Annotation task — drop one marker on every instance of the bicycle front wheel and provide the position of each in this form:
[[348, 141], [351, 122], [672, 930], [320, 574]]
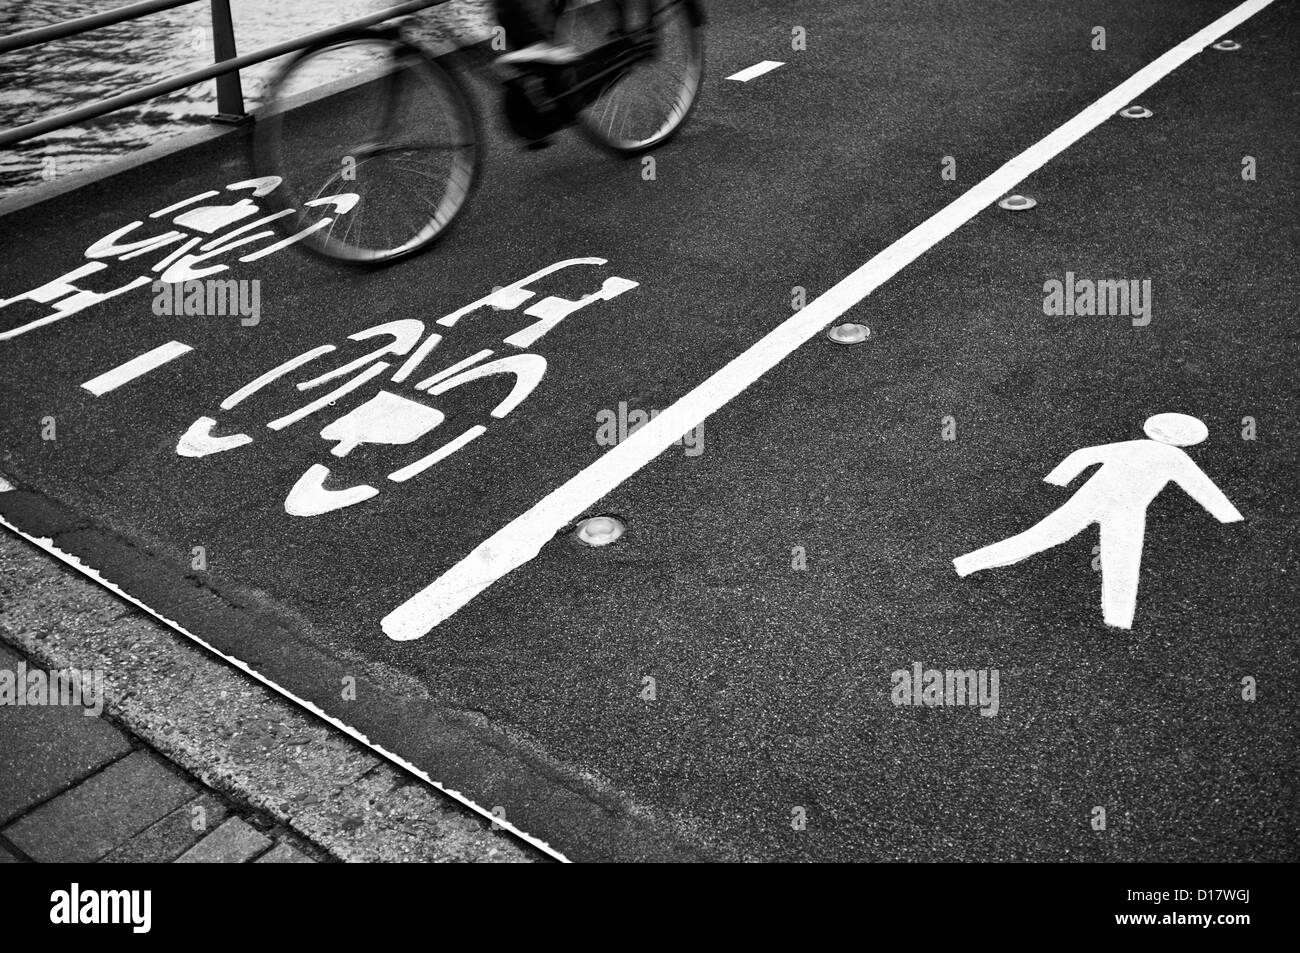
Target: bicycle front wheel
[[644, 105], [376, 144]]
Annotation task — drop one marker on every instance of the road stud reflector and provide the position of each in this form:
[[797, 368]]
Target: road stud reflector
[[849, 333], [1017, 203], [600, 530]]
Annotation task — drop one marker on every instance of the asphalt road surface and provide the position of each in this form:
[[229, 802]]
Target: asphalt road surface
[[720, 682]]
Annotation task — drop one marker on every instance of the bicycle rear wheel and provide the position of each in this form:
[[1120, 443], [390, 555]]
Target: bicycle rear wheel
[[377, 145], [643, 106]]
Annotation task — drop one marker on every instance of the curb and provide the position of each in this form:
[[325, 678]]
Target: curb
[[231, 733]]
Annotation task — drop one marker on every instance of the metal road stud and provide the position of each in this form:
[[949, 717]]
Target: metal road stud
[[1227, 46], [600, 530], [1135, 112], [849, 333], [1017, 203]]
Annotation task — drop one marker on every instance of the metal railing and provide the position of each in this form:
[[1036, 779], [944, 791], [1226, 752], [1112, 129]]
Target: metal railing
[[230, 97]]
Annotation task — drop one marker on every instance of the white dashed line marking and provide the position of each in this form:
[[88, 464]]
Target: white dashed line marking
[[136, 367], [753, 72]]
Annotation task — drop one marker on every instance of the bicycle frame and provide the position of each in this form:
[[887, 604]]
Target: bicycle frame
[[569, 87]]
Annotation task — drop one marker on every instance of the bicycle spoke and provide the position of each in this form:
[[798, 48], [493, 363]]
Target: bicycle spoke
[[644, 102], [402, 136]]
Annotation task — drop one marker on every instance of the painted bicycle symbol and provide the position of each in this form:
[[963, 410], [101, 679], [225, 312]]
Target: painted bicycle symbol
[[204, 233], [393, 418]]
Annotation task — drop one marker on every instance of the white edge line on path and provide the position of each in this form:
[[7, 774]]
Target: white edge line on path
[[136, 367], [49, 547], [521, 539], [755, 71]]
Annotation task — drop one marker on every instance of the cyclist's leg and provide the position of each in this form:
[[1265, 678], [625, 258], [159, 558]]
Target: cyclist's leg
[[530, 32]]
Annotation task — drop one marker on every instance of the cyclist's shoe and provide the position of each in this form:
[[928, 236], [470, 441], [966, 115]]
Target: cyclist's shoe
[[546, 53]]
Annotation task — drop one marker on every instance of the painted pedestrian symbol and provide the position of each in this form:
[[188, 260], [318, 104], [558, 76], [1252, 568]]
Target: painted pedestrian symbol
[[1116, 497]]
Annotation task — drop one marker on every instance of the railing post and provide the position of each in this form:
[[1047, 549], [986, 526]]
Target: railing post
[[230, 92]]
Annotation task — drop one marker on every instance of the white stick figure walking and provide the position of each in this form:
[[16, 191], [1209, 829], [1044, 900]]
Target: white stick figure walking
[[1116, 497]]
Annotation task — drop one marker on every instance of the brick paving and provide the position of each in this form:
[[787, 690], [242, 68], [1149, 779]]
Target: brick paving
[[47, 749], [234, 842], [74, 787]]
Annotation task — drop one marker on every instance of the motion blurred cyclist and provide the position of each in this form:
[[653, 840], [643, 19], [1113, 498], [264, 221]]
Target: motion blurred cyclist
[[530, 30]]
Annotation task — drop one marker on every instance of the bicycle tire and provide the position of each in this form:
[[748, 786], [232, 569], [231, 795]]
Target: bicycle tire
[[397, 130], [680, 24]]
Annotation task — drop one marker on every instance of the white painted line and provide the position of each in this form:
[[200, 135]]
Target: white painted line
[[5, 485], [253, 386], [47, 544], [520, 540], [452, 371], [442, 453], [753, 72], [281, 422], [136, 367]]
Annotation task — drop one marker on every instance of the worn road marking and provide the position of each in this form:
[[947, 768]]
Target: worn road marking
[[136, 367], [755, 71], [520, 540]]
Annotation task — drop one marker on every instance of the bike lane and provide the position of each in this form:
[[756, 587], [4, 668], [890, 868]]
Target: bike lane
[[771, 188]]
